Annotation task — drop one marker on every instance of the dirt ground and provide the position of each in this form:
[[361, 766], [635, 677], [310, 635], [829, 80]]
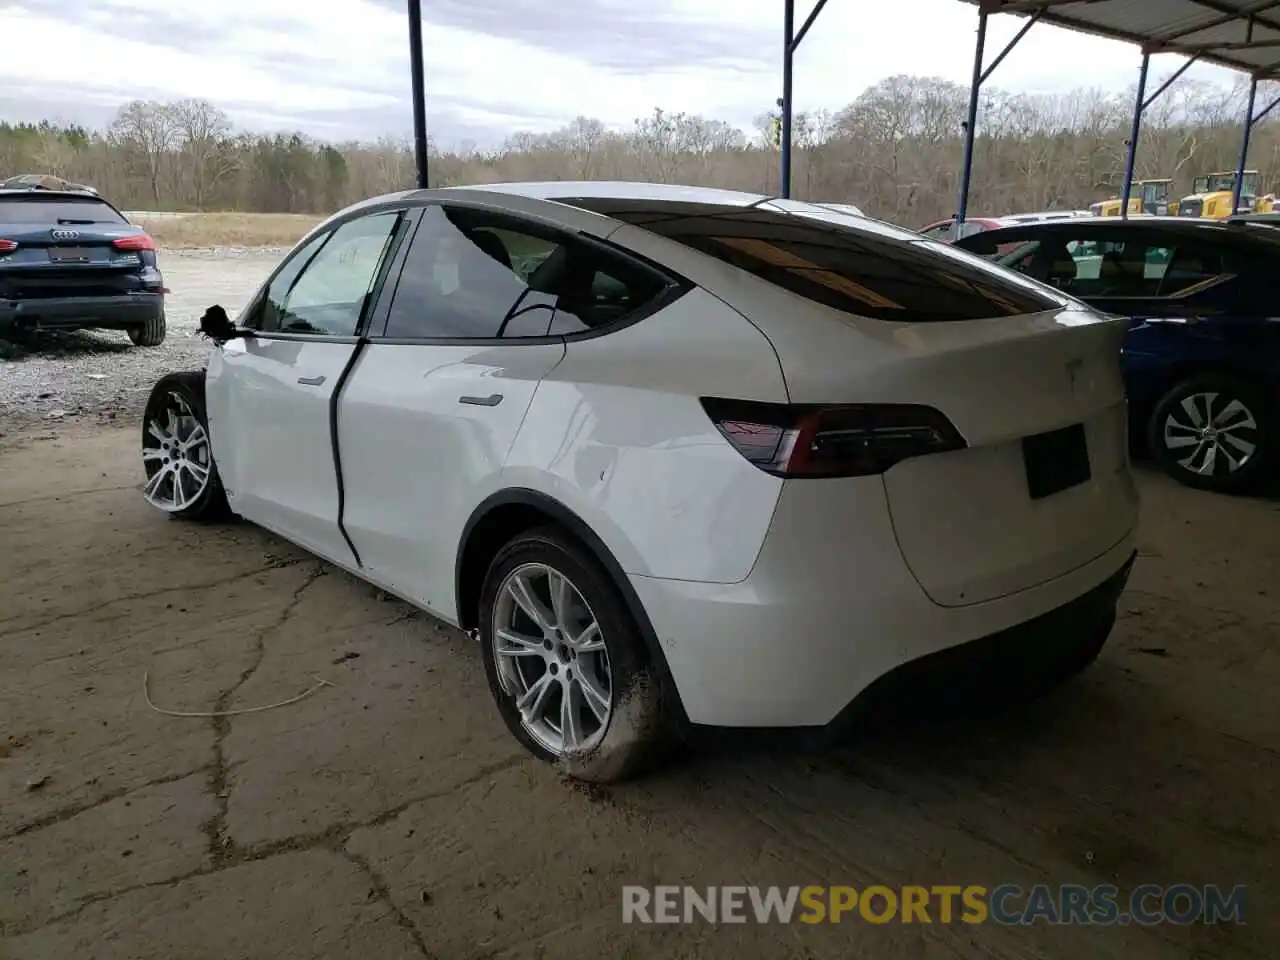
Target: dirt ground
[[389, 815]]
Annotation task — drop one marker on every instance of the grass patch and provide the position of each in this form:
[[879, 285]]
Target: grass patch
[[228, 229]]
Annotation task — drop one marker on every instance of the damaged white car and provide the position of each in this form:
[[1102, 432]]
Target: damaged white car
[[680, 458]]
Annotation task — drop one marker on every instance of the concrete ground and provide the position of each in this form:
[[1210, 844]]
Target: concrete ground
[[390, 815]]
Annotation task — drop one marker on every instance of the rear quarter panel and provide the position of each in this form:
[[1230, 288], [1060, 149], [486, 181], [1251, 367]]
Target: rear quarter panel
[[616, 433]]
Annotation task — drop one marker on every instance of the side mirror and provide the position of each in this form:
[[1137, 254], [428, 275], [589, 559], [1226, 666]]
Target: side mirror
[[217, 326]]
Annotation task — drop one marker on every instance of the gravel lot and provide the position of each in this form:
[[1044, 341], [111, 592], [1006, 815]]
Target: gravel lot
[[98, 375]]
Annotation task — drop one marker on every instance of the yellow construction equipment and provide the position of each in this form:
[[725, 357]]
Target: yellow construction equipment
[[1145, 196], [1211, 196]]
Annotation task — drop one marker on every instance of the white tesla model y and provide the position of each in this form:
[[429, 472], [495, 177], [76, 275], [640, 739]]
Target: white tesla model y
[[678, 457]]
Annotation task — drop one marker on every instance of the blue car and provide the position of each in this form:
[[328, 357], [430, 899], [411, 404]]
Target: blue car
[[69, 260], [1202, 358]]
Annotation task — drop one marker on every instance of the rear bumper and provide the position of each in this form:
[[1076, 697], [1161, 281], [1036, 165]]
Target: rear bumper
[[110, 313], [831, 607]]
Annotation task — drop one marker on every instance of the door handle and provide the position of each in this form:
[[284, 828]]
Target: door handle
[[311, 381], [490, 401]]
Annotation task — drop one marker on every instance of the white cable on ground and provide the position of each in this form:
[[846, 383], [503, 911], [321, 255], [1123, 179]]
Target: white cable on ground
[[146, 692]]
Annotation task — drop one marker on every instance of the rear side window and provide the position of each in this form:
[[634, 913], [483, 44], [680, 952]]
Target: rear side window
[[1122, 264], [870, 271], [38, 209], [479, 275]]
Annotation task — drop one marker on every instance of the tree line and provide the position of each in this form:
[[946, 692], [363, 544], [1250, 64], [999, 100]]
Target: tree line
[[895, 151]]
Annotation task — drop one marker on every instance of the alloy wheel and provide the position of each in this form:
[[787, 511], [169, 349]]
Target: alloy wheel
[[551, 658], [1211, 434], [176, 456]]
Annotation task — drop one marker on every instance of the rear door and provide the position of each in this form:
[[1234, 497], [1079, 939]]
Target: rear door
[[434, 402], [271, 394]]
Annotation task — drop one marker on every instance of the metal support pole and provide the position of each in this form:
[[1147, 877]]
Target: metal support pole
[[1238, 186], [804, 27], [1134, 129], [417, 79], [975, 88], [1008, 47], [1262, 114], [1168, 83], [788, 58]]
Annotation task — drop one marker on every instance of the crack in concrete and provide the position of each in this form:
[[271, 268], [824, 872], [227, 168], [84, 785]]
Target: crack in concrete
[[333, 838], [129, 598], [221, 845], [74, 810], [1234, 617], [69, 495], [383, 893]]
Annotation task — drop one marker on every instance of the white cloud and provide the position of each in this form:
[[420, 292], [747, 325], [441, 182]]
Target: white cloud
[[340, 67]]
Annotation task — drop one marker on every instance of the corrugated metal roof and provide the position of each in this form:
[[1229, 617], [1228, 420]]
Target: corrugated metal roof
[[1217, 30]]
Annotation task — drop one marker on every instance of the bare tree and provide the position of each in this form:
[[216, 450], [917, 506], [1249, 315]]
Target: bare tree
[[147, 129], [201, 130]]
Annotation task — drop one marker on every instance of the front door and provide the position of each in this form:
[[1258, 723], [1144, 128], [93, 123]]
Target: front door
[[434, 403], [274, 389]]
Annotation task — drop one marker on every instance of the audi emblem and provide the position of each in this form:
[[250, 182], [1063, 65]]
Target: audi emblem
[[65, 234]]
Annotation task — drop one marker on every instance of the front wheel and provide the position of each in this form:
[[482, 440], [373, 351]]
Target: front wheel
[[1215, 432], [182, 479], [565, 660]]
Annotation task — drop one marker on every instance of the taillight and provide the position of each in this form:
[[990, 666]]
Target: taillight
[[8, 246], [135, 243], [854, 440]]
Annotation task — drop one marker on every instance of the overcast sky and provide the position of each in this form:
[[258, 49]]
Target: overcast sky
[[338, 69]]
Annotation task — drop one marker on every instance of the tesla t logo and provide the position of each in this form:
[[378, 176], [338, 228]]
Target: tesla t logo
[[1073, 371], [65, 234]]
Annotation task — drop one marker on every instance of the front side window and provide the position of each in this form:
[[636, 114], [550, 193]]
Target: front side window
[[471, 274], [329, 296], [323, 287], [267, 318]]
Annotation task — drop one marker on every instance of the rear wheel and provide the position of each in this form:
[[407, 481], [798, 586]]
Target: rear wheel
[[1215, 432], [182, 479], [150, 334], [565, 661]]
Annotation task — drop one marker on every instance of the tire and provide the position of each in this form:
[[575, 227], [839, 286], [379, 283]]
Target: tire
[[1245, 418], [150, 334], [181, 477], [634, 730]]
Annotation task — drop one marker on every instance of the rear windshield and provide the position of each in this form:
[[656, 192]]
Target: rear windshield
[[861, 267], [45, 209]]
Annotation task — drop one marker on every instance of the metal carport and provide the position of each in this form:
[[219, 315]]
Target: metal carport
[[1241, 35]]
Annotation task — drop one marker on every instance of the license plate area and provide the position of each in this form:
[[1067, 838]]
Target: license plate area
[[1056, 461], [70, 254]]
